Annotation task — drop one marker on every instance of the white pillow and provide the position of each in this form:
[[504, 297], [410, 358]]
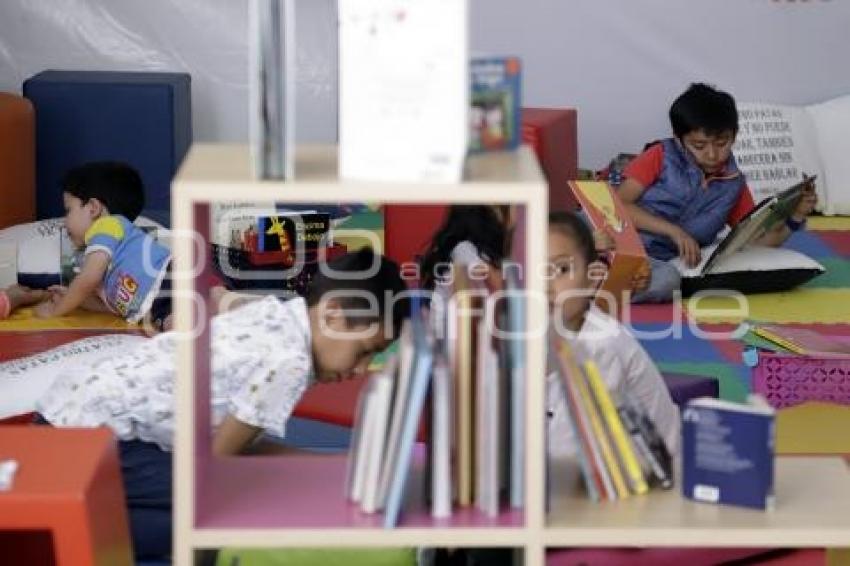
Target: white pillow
[[40, 247], [24, 381], [754, 269]]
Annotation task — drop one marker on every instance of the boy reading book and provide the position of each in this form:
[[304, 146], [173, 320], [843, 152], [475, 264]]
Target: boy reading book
[[681, 192]]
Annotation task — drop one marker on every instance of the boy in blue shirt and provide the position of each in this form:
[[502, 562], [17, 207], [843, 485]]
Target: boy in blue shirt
[[682, 191], [123, 268]]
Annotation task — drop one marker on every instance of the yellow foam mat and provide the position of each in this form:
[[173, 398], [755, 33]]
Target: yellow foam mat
[[825, 305], [813, 428], [24, 320], [828, 223]]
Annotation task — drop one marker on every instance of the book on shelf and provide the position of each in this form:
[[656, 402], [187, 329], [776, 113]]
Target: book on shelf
[[469, 463], [272, 102], [618, 450], [515, 364], [655, 459], [777, 143], [423, 358], [293, 231], [728, 452], [496, 102], [398, 80], [625, 452]]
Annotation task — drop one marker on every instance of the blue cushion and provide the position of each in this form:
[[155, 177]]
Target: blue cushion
[[143, 119]]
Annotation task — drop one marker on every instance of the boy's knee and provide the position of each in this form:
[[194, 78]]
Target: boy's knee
[[666, 280]]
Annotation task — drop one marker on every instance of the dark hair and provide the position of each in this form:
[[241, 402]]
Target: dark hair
[[477, 224], [703, 107], [569, 224], [386, 285], [116, 185]]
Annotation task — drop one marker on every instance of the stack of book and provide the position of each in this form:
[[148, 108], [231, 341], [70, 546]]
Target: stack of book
[[619, 451], [459, 388], [796, 341]]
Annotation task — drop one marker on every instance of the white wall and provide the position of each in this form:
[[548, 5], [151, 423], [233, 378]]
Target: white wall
[[208, 38], [620, 62]]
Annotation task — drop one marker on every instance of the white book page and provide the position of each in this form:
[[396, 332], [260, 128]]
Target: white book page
[[831, 122], [363, 438], [441, 485], [404, 89], [776, 144]]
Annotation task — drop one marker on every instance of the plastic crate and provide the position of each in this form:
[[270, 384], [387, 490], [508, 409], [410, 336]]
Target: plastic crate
[[786, 380]]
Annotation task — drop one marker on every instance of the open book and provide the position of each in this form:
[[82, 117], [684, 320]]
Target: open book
[[776, 143], [763, 217]]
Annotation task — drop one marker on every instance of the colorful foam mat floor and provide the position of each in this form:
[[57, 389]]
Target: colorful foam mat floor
[[701, 342]]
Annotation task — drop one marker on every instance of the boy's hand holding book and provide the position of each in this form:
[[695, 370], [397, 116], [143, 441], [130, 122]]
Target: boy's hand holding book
[[807, 203]]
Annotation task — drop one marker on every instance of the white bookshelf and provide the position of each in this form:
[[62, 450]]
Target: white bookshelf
[[214, 498]]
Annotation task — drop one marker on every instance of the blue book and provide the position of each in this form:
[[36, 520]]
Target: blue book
[[727, 452], [496, 101], [516, 366], [420, 378]]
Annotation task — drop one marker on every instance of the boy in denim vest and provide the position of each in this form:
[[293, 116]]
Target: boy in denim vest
[[682, 191]]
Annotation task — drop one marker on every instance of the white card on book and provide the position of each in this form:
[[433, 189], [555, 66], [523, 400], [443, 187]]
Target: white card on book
[[404, 90]]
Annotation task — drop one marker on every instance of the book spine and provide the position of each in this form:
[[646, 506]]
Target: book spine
[[599, 433], [584, 430], [465, 400], [594, 490], [777, 339], [653, 442], [643, 450], [615, 426]]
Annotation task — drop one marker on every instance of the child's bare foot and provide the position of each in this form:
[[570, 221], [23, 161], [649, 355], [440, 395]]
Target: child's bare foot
[[20, 296]]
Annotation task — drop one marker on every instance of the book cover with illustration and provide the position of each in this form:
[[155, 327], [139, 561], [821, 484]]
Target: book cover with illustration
[[496, 99], [606, 212], [728, 452], [290, 232]]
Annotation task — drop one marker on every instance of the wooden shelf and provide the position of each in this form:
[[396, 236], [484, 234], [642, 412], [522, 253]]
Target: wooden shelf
[[299, 500], [812, 509], [224, 502]]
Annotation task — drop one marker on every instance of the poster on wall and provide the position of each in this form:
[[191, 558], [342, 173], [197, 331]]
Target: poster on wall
[[777, 144]]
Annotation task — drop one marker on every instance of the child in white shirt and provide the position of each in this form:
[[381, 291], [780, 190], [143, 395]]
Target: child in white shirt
[[264, 355], [593, 335]]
